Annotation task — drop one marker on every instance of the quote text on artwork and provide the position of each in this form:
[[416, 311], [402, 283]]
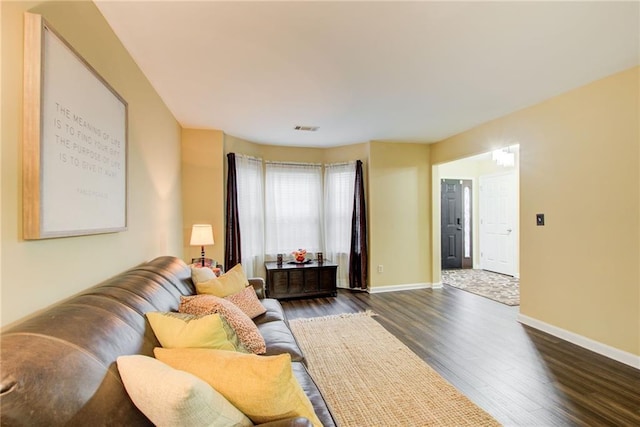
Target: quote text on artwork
[[83, 145]]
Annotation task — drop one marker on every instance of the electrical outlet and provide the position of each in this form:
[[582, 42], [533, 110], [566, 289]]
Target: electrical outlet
[[380, 268]]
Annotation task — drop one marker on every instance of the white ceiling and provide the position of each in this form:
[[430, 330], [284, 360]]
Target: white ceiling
[[361, 71]]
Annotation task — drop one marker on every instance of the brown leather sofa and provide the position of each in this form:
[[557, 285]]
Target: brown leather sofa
[[58, 367]]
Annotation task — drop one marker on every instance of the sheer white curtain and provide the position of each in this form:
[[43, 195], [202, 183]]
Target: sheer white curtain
[[293, 207], [339, 182], [250, 175]]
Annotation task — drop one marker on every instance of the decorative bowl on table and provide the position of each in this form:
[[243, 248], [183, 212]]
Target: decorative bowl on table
[[300, 255]]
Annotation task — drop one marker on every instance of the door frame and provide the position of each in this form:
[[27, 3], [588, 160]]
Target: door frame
[[436, 276], [467, 229]]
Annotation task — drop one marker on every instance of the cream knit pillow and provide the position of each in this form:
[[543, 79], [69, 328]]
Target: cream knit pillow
[[201, 274], [169, 397]]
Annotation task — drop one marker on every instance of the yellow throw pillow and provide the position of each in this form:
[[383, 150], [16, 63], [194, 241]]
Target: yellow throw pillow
[[262, 387], [231, 282], [179, 330]]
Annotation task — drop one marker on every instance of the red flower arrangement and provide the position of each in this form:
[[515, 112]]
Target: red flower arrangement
[[300, 255]]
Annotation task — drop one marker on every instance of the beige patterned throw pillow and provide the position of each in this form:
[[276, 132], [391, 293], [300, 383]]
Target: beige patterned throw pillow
[[247, 301], [244, 327]]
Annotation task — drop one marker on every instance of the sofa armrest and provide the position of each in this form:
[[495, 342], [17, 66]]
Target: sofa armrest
[[289, 422], [259, 285]]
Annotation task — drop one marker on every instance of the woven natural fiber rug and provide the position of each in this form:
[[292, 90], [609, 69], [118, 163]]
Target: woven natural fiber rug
[[498, 287], [370, 378]]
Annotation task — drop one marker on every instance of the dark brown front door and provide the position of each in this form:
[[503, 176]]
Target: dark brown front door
[[454, 220]]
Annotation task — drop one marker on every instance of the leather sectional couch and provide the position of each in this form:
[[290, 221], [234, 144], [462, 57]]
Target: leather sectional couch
[[58, 367]]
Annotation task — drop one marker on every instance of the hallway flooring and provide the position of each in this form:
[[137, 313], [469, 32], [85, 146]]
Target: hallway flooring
[[498, 287]]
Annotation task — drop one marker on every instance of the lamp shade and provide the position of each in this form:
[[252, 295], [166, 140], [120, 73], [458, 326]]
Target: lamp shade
[[201, 235]]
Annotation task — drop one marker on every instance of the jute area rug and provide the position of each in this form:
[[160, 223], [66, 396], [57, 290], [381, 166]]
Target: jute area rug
[[370, 378], [498, 287]]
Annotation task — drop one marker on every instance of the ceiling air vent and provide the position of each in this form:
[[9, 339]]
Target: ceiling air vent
[[307, 128]]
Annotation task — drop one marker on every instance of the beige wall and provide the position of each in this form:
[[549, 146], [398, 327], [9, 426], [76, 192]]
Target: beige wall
[[35, 274], [579, 164], [203, 189], [399, 214], [2, 113]]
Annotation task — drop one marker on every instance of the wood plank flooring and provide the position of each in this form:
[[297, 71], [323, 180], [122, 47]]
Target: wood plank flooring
[[521, 376]]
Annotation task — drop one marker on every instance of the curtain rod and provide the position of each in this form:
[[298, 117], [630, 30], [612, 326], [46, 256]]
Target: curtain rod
[[270, 162], [249, 157], [274, 162], [350, 162]]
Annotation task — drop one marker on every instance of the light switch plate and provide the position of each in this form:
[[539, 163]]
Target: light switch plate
[[539, 219]]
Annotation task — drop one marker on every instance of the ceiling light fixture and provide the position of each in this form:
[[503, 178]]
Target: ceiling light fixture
[[504, 157]]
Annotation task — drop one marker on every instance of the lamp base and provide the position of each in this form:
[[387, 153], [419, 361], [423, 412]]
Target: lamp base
[[203, 262]]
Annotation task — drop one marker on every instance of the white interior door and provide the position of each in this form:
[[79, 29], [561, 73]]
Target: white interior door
[[498, 223]]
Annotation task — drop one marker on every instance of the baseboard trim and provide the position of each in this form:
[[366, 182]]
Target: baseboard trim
[[582, 341], [437, 285], [393, 288]]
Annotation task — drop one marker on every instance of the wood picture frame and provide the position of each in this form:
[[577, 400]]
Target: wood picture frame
[[74, 141]]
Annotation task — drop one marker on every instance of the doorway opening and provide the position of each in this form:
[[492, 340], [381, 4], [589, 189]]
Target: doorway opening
[[478, 222]]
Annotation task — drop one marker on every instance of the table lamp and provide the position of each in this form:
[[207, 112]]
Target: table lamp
[[201, 235]]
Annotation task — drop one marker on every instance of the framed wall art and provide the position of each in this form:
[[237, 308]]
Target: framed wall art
[[74, 141]]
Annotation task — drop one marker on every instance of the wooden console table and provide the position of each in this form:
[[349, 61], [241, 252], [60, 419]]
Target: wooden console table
[[301, 280]]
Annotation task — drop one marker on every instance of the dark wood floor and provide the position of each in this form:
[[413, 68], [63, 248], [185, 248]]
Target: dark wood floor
[[521, 376]]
